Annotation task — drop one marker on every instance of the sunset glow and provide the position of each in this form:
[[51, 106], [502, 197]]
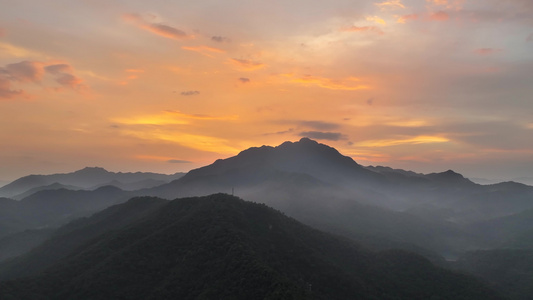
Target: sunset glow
[[168, 86]]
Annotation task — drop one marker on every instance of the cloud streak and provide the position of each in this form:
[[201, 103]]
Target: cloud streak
[[157, 28], [320, 135]]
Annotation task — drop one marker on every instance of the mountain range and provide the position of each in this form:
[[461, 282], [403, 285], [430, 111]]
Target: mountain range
[[87, 178], [219, 247], [440, 216]]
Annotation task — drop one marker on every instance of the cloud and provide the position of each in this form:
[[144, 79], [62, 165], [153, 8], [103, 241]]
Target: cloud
[[348, 84], [487, 51], [319, 135], [190, 93], [439, 16], [529, 38], [2, 32], [220, 39], [362, 29], [376, 19], [24, 71], [403, 141], [169, 117], [5, 89], [318, 125], [178, 161], [157, 28], [370, 101], [244, 80], [450, 4], [403, 19], [204, 50], [391, 4], [246, 65], [64, 76]]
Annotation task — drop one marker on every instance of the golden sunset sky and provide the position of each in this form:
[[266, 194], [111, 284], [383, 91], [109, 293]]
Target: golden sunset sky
[[168, 86]]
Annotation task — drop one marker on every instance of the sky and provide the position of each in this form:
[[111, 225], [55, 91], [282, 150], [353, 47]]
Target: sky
[[168, 86]]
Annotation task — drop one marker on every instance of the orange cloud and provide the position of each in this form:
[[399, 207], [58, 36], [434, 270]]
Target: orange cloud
[[2, 32], [376, 19], [403, 19], [412, 141], [157, 28], [24, 71], [439, 16], [450, 4], [347, 84], [168, 117], [394, 4], [246, 65], [487, 51], [204, 50], [363, 29], [6, 91], [64, 76]]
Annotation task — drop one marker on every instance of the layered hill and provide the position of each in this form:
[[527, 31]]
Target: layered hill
[[221, 247], [87, 178]]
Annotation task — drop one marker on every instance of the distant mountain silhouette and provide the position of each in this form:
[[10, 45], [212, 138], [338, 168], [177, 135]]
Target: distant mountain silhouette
[[221, 247], [85, 178], [53, 186], [51, 208]]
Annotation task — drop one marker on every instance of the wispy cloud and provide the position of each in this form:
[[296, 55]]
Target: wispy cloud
[[348, 84], [439, 16], [190, 93], [157, 28], [6, 91], [318, 125], [244, 80], [204, 50], [220, 39], [169, 117], [487, 51], [24, 71], [247, 65], [320, 135], [373, 29], [390, 4], [64, 76], [179, 161], [403, 19], [376, 19], [403, 141]]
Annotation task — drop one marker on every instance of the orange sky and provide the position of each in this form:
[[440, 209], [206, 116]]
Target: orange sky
[[167, 86]]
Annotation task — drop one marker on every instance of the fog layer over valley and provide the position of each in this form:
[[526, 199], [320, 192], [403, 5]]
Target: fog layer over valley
[[46, 228]]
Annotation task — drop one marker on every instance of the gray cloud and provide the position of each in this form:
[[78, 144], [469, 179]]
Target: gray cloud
[[24, 71], [178, 161], [168, 31], [320, 135], [220, 39], [318, 125], [190, 93], [5, 89], [244, 80], [64, 76], [279, 132]]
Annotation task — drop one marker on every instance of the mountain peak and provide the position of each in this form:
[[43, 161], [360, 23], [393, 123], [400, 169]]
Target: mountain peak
[[94, 170]]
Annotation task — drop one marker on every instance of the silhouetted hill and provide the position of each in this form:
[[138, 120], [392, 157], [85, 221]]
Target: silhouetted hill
[[51, 208], [221, 247], [509, 271], [53, 186], [22, 242], [84, 178]]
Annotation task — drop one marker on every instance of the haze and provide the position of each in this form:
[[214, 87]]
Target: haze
[[167, 86]]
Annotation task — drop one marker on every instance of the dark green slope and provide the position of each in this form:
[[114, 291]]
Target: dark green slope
[[509, 271], [221, 247]]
